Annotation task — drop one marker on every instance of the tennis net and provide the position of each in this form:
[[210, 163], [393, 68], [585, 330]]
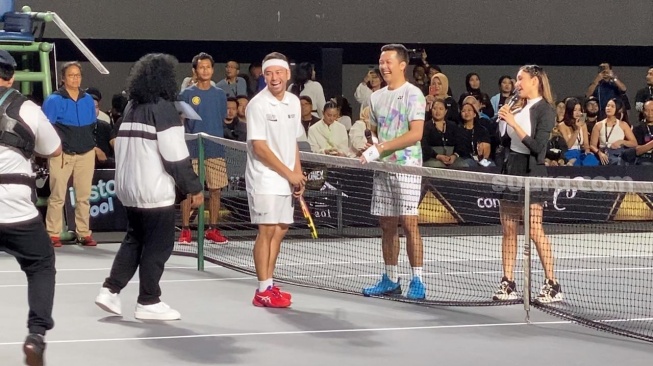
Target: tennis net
[[597, 219]]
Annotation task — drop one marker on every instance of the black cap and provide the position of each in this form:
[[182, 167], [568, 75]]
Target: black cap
[[95, 93], [7, 59]]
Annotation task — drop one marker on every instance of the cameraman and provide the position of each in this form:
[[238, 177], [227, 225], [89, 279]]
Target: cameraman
[[605, 86]]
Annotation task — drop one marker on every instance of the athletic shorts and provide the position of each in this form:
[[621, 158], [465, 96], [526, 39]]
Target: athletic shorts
[[270, 209], [215, 172], [395, 194]]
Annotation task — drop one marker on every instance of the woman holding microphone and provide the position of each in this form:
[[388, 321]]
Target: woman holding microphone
[[525, 124]]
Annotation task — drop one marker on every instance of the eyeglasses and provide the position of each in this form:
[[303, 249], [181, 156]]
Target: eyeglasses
[[74, 76]]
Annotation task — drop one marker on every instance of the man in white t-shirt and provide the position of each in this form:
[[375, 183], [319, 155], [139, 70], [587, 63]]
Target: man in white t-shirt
[[21, 226], [273, 173], [397, 115]]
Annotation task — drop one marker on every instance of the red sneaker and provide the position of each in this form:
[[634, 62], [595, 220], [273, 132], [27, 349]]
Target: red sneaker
[[87, 241], [56, 242], [270, 299], [285, 295], [215, 236], [185, 237]]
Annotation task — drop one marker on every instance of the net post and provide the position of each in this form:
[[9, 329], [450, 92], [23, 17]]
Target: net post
[[527, 249], [200, 213]]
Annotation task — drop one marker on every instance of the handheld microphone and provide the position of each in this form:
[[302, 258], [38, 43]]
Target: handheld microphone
[[368, 136], [511, 101]]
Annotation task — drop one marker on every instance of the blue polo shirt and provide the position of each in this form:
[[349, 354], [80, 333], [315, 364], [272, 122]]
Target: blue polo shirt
[[211, 105]]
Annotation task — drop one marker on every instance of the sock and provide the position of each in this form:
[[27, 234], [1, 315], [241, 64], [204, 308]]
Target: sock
[[391, 271], [417, 272], [263, 285]]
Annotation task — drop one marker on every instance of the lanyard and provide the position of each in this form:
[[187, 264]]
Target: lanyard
[[607, 136], [444, 130]]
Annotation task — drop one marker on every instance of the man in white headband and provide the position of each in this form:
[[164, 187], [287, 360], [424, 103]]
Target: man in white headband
[[273, 174]]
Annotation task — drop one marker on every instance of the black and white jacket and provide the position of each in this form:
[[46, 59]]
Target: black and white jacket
[[152, 157]]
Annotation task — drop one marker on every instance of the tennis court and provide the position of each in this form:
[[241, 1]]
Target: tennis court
[[219, 326]]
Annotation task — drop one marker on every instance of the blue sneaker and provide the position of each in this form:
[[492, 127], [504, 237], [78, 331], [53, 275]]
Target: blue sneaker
[[384, 287], [416, 289]]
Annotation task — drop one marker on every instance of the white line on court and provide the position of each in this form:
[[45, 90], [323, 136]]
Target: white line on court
[[328, 331]]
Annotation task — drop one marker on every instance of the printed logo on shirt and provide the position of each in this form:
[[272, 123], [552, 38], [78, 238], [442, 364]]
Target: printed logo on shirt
[[291, 116], [271, 117], [196, 100]]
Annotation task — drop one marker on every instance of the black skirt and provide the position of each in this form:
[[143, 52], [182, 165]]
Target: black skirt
[[518, 165]]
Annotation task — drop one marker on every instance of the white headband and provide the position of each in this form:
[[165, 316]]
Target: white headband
[[275, 62]]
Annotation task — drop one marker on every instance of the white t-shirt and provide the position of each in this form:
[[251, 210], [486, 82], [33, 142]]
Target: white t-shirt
[[16, 199], [278, 123], [523, 119]]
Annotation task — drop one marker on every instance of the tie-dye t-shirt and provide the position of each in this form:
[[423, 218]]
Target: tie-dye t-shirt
[[391, 111]]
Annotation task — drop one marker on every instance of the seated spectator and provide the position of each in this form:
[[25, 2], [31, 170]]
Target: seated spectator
[[605, 87], [305, 84], [490, 125], [474, 139], [440, 144], [574, 131], [372, 82], [592, 111], [328, 136], [232, 84], [308, 119], [344, 110], [644, 94], [255, 72], [556, 149], [118, 104], [610, 136], [233, 128], [438, 89], [357, 139], [560, 111], [506, 86], [642, 154], [473, 86]]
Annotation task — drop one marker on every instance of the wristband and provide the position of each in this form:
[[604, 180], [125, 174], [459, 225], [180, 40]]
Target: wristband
[[371, 154]]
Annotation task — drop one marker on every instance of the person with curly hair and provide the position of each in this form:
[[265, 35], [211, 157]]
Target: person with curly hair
[[151, 159]]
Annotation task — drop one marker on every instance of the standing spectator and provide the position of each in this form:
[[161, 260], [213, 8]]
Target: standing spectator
[[644, 93], [605, 87], [21, 226], [191, 80], [506, 86], [210, 103], [305, 84], [372, 82], [102, 132], [72, 111], [97, 96], [152, 160], [233, 85]]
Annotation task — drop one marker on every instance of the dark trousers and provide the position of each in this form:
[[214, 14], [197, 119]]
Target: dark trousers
[[30, 244], [148, 244]]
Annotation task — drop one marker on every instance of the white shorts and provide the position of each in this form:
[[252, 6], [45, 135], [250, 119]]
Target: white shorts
[[270, 209], [396, 194]]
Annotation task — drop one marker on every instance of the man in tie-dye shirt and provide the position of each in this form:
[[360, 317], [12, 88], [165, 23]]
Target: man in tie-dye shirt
[[397, 114]]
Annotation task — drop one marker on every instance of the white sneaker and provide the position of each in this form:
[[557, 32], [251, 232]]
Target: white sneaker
[[108, 301], [158, 311]]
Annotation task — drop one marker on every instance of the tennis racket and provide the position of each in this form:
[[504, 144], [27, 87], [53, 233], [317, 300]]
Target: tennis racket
[[307, 216]]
